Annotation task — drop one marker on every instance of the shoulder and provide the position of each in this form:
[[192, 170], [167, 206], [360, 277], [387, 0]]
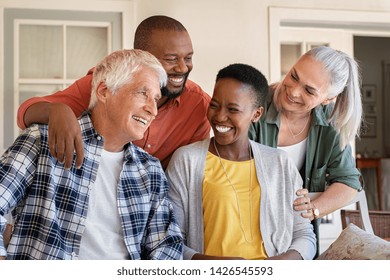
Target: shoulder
[[192, 150], [271, 157], [142, 157], [194, 93], [35, 132], [268, 151], [28, 144], [189, 155]]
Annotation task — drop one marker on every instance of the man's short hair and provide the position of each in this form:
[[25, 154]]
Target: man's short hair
[[147, 26]]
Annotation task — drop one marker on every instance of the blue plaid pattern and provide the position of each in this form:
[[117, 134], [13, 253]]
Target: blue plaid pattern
[[50, 203]]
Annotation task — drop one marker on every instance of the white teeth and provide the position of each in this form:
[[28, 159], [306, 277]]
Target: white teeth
[[222, 129], [176, 80], [141, 120], [288, 97]]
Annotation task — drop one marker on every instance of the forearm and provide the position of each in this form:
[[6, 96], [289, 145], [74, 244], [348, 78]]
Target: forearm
[[37, 113], [76, 96], [334, 197]]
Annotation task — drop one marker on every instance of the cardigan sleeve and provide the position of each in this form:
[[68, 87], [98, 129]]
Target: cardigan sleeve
[[178, 195], [303, 238]]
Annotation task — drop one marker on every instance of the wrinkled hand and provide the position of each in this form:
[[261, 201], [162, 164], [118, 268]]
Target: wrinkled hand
[[65, 135], [303, 203]]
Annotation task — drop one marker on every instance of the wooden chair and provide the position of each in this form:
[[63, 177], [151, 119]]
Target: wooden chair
[[380, 221], [361, 201]]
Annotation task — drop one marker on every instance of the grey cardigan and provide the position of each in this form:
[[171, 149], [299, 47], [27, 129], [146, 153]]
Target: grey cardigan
[[281, 227]]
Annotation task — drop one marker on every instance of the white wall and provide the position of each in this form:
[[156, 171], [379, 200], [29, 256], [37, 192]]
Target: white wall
[[228, 31], [222, 31]]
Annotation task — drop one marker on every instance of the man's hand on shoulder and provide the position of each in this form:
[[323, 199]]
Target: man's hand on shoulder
[[65, 135]]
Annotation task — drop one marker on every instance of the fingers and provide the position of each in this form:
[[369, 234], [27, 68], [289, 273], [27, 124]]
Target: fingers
[[302, 192], [303, 203], [65, 136], [63, 150], [79, 147], [52, 144], [68, 151], [308, 214]]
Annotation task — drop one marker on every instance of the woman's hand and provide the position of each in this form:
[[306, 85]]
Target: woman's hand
[[303, 203], [65, 135]]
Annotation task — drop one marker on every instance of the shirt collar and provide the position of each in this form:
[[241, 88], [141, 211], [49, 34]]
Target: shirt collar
[[174, 102], [88, 132], [87, 129]]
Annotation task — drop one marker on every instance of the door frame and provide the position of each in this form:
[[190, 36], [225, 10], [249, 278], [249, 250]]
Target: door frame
[[357, 23]]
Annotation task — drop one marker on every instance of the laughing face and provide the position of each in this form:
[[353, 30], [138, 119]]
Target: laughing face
[[231, 111], [304, 87], [174, 50], [132, 108]]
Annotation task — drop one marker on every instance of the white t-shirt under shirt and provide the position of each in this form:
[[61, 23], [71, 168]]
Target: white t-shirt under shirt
[[296, 152], [103, 235]]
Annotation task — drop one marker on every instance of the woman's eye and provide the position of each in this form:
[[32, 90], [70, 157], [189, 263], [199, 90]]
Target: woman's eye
[[295, 78], [309, 91]]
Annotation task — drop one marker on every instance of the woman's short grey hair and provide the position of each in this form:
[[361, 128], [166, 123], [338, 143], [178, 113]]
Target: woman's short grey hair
[[345, 83], [117, 69]]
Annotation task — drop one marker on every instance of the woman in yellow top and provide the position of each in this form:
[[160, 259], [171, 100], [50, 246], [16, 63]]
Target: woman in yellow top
[[233, 198]]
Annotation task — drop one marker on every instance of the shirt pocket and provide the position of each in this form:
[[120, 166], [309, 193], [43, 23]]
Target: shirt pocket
[[318, 181]]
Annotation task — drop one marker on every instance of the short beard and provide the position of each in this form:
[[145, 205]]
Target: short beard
[[172, 95]]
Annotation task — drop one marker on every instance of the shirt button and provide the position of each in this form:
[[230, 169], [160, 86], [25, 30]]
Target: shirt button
[[99, 138], [148, 146], [74, 254], [82, 220]]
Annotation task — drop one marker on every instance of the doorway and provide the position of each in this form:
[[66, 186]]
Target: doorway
[[373, 55]]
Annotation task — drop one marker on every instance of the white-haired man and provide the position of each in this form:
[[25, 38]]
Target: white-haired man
[[115, 205]]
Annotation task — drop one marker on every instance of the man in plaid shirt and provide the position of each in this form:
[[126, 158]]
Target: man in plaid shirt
[[115, 205]]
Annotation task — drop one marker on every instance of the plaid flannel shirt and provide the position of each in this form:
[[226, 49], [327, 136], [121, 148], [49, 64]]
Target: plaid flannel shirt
[[50, 203]]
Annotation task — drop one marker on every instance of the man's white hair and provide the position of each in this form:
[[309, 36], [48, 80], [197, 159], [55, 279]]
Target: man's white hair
[[118, 68]]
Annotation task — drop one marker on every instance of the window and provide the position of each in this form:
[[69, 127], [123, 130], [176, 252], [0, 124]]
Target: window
[[45, 51]]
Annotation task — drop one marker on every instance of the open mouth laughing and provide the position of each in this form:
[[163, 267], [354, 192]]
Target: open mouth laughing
[[176, 80], [141, 120], [223, 129]]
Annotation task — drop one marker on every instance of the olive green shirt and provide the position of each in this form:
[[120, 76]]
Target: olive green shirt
[[325, 162]]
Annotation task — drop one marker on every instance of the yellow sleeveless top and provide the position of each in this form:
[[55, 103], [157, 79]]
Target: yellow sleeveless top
[[223, 234]]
